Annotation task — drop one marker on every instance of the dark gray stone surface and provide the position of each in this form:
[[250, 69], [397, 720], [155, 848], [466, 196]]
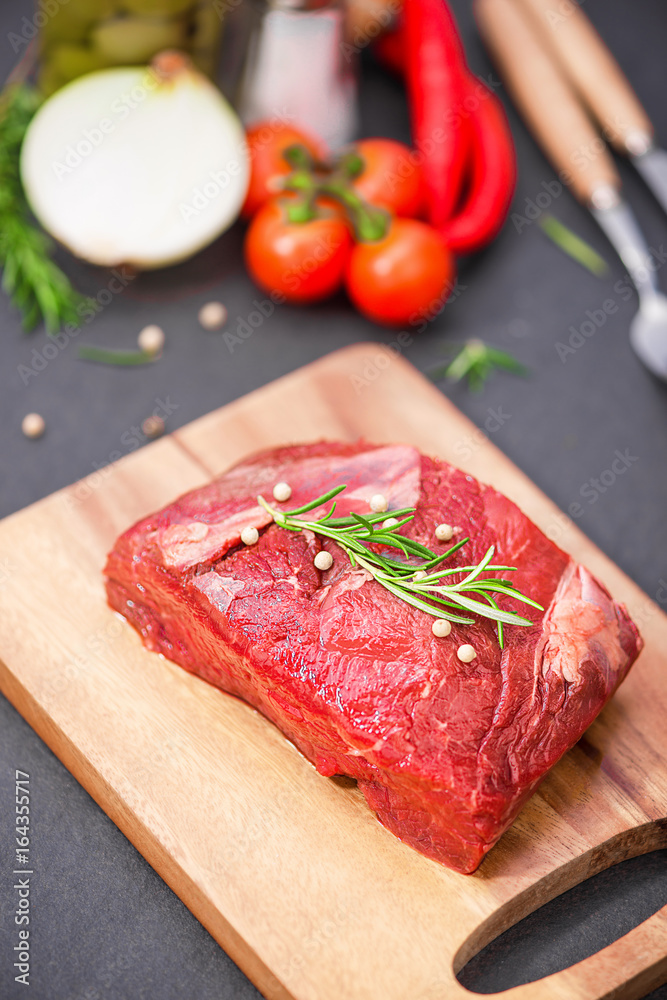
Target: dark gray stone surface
[[105, 927]]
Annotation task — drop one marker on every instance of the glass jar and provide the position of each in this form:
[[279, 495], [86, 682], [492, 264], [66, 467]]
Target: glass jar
[[85, 35], [288, 59]]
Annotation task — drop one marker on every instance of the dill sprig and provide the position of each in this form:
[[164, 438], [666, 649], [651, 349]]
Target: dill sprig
[[416, 578], [35, 284]]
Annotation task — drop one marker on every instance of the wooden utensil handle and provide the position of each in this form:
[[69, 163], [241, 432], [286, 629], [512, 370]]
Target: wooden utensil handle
[[547, 101], [594, 72]]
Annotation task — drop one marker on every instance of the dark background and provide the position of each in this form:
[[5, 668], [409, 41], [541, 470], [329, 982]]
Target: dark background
[[105, 925]]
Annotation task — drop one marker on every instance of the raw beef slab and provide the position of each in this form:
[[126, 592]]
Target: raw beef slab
[[445, 752]]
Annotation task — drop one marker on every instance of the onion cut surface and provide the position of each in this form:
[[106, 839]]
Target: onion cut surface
[[139, 165]]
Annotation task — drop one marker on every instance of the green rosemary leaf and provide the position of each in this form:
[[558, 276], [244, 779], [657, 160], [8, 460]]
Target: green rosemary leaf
[[349, 522], [508, 592], [446, 555], [423, 606], [475, 361], [359, 537], [574, 246], [417, 549], [481, 609], [500, 627], [474, 573], [327, 517], [365, 523], [506, 361], [396, 543], [309, 506], [401, 521], [103, 356]]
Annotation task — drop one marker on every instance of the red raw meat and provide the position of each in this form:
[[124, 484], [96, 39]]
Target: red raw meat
[[445, 752]]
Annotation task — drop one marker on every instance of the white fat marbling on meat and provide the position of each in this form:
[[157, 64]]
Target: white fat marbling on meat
[[186, 545], [350, 579], [581, 617], [220, 590]]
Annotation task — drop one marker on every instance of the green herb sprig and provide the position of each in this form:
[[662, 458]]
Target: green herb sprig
[[475, 361], [574, 246], [109, 356], [35, 284], [415, 578]]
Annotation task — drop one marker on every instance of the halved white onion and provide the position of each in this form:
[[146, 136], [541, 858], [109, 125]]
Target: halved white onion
[[139, 165]]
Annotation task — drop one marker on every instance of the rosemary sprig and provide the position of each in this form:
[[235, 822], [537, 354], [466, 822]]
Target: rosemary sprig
[[417, 577], [475, 361], [574, 246], [109, 356], [35, 284]]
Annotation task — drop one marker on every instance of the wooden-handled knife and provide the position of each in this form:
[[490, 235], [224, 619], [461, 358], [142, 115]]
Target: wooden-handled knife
[[548, 101], [587, 63], [556, 112]]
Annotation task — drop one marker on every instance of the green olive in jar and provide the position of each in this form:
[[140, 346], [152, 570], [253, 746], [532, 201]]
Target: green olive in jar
[[73, 20], [130, 40], [160, 7], [70, 61], [205, 38], [49, 80]]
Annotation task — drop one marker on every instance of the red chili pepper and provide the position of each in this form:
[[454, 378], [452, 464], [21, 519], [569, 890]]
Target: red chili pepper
[[389, 49], [437, 86], [493, 175]]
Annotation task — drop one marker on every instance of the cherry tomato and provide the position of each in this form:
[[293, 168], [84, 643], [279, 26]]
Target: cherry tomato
[[304, 261], [391, 178], [402, 278], [266, 144]]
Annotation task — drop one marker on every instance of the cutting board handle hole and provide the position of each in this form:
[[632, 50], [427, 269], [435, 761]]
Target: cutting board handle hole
[[571, 927]]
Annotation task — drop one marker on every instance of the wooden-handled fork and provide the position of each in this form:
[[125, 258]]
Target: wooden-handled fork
[[542, 71]]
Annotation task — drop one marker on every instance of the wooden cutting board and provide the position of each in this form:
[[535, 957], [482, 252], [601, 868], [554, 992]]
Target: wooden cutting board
[[288, 870]]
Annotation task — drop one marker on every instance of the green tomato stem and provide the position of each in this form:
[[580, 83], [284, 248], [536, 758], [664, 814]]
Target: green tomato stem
[[370, 224]]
